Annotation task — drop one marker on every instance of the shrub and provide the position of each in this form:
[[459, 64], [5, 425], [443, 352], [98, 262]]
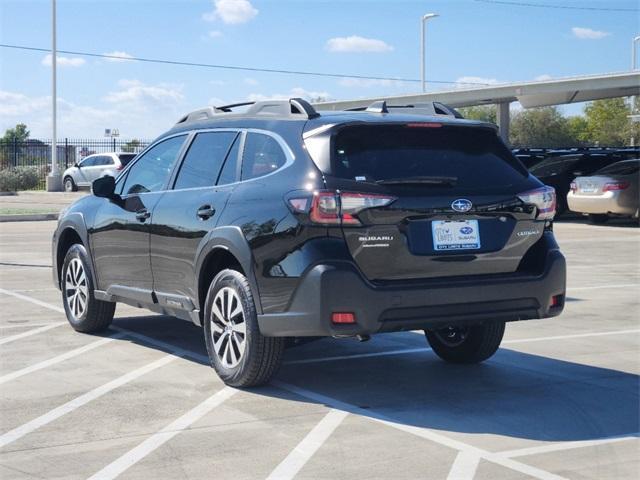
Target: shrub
[[18, 178]]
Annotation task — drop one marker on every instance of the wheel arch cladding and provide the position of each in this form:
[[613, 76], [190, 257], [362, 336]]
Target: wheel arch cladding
[[70, 234], [224, 247]]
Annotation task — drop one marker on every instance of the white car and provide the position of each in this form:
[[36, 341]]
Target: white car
[[83, 173]]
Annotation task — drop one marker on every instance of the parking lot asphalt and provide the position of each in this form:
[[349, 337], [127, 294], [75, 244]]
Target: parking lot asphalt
[[559, 400]]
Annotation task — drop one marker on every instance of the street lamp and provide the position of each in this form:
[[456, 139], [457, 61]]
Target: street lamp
[[634, 55], [54, 183], [423, 20]]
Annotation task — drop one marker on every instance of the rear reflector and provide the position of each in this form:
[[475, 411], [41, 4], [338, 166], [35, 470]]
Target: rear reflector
[[342, 318], [556, 301]]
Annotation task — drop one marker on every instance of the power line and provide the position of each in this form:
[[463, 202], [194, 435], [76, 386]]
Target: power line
[[231, 67], [565, 7]]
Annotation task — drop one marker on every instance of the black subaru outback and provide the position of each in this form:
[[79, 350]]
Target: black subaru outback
[[282, 222]]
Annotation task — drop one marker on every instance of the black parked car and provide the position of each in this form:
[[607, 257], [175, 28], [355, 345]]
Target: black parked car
[[284, 222], [560, 168]]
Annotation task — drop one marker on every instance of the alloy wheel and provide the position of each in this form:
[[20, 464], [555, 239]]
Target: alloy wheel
[[75, 288], [228, 327]]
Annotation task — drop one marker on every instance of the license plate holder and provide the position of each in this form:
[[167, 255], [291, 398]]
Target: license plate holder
[[455, 235]]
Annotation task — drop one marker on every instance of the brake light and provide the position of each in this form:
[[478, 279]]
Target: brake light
[[544, 199], [335, 208], [573, 186], [120, 167], [612, 186]]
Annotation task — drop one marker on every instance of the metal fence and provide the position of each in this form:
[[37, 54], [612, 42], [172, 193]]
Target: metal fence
[[37, 152]]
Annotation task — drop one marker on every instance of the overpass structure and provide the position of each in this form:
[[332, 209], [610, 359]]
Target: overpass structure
[[539, 93]]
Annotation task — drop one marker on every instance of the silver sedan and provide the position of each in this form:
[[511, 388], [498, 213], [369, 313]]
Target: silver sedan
[[611, 191]]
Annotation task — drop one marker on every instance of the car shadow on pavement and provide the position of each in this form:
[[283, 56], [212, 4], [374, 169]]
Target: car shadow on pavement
[[513, 394]]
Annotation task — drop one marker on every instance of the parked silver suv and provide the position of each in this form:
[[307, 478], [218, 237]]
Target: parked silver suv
[[83, 173]]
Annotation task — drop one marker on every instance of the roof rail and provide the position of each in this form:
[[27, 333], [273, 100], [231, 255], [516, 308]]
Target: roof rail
[[427, 108], [291, 108]]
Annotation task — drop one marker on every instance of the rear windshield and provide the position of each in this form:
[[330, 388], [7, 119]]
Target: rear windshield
[[474, 157], [126, 157], [627, 167]]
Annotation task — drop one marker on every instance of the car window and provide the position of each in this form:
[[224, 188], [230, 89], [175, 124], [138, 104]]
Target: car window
[[104, 160], [229, 173], [262, 155], [89, 161], [152, 170], [626, 167], [125, 158], [473, 157], [203, 160], [554, 165]]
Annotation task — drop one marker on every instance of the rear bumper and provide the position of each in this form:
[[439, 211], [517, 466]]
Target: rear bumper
[[609, 202], [339, 287]]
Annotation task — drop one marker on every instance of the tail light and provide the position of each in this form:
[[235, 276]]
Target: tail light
[[544, 199], [120, 167], [573, 186], [335, 208], [613, 186]]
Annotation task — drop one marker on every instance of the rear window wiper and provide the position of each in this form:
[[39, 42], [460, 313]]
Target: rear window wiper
[[419, 181]]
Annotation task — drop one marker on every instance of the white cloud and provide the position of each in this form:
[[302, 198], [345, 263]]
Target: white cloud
[[588, 34], [295, 92], [543, 77], [354, 43], [250, 81], [118, 56], [471, 81], [136, 109], [214, 34], [63, 61], [232, 12], [367, 82], [136, 91]]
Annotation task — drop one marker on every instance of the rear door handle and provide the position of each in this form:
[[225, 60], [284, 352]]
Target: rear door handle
[[143, 214], [206, 211]]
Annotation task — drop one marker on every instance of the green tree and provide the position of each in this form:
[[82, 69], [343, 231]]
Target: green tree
[[541, 127], [577, 129], [483, 113], [18, 134], [131, 146], [608, 123]]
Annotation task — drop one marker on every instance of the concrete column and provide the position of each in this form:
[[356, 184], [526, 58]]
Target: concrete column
[[503, 118]]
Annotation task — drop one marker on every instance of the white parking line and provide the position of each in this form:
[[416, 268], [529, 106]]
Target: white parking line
[[156, 440], [15, 326], [18, 336], [598, 287], [558, 447], [309, 445], [32, 300], [420, 432], [464, 466], [60, 358], [406, 351], [77, 402]]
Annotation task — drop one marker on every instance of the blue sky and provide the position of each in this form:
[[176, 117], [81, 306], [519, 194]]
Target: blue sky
[[471, 41]]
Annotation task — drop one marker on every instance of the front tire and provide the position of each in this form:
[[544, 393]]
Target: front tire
[[472, 344], [70, 185], [84, 312], [238, 352]]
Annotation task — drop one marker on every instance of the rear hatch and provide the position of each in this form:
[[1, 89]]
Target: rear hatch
[[424, 200]]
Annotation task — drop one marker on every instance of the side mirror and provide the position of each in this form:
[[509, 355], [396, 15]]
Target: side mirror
[[104, 187], [77, 165]]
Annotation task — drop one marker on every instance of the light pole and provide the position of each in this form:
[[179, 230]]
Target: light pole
[[53, 179], [634, 55], [423, 21]]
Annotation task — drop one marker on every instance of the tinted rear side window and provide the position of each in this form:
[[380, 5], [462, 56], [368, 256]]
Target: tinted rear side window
[[474, 156], [126, 158], [204, 159]]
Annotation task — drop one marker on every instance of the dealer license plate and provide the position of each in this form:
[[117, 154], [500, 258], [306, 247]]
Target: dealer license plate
[[455, 235]]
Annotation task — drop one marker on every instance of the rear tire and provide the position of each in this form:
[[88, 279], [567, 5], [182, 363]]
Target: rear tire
[[472, 344], [598, 218], [70, 185], [84, 312], [238, 352]]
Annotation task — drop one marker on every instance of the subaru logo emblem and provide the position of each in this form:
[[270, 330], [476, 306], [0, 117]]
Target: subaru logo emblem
[[461, 205]]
